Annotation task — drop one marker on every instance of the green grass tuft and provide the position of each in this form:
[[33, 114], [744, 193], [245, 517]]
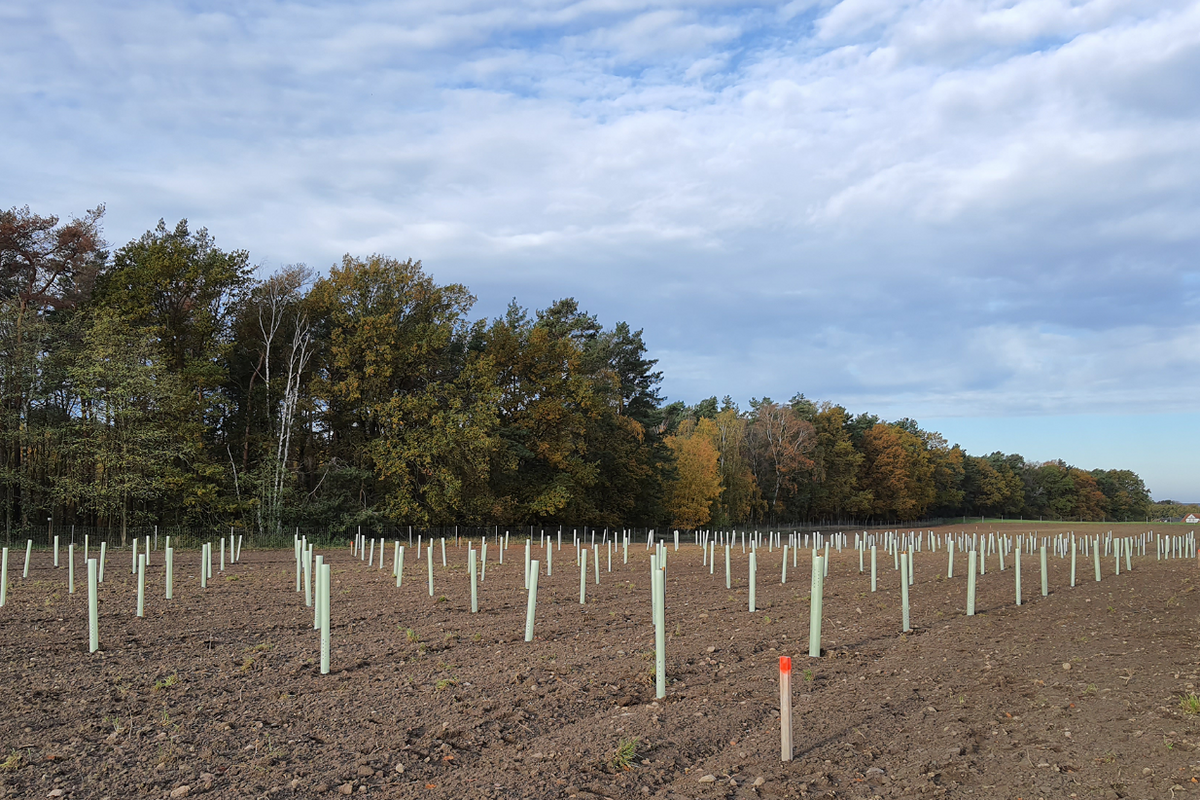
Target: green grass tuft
[[626, 752], [166, 683]]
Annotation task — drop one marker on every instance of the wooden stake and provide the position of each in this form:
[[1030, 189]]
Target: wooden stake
[[785, 708]]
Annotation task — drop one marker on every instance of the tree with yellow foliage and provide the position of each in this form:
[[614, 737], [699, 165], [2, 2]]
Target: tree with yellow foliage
[[690, 494]]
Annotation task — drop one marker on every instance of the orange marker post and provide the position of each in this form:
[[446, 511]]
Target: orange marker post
[[785, 707]]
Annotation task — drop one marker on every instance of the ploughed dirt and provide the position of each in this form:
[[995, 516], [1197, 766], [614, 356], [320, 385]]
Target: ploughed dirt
[[217, 693]]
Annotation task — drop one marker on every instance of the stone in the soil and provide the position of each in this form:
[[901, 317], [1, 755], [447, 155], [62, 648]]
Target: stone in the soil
[[346, 788], [709, 779], [365, 771], [181, 791]]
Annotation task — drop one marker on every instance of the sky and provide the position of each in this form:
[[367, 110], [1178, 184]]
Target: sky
[[983, 215]]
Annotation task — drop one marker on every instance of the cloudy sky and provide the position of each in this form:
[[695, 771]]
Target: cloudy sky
[[982, 214]]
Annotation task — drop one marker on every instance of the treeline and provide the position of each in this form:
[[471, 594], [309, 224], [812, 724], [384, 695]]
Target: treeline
[[162, 383], [1173, 510], [808, 461]]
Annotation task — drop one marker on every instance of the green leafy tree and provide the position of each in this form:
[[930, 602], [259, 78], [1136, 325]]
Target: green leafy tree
[[628, 487], [949, 473], [1047, 490], [541, 465], [1012, 468], [47, 268], [858, 426], [125, 440], [183, 289], [625, 437], [705, 409], [408, 409], [1125, 495], [991, 487], [832, 489], [741, 499], [269, 393]]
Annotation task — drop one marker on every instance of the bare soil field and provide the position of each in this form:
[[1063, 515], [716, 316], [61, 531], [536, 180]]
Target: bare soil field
[[217, 693]]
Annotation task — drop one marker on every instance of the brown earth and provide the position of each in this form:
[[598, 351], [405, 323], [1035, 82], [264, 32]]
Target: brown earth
[[1077, 694]]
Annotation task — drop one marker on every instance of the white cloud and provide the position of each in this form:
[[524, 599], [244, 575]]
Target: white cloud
[[938, 204], [851, 18]]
